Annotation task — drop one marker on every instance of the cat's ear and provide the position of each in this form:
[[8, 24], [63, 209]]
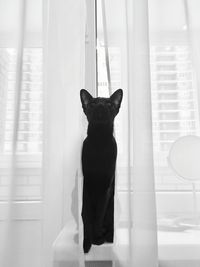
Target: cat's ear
[[116, 98], [85, 98]]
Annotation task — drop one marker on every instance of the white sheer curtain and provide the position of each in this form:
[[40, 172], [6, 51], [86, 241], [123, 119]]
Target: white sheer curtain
[[42, 69], [64, 77], [42, 72], [124, 30], [135, 236], [20, 146], [63, 47], [174, 41], [143, 239], [154, 56]]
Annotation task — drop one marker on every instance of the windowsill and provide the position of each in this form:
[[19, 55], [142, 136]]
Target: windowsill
[[179, 246], [184, 246]]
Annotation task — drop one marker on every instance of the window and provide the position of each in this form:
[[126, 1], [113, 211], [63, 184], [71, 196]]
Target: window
[[30, 121], [174, 99], [175, 109], [30, 127], [29, 140]]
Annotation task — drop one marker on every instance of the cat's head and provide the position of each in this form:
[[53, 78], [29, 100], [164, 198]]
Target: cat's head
[[101, 109]]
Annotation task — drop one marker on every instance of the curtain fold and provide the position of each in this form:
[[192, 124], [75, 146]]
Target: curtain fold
[[40, 118], [126, 35], [143, 239], [8, 228], [64, 77], [174, 31]]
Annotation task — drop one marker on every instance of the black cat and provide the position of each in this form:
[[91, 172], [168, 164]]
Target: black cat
[[99, 154]]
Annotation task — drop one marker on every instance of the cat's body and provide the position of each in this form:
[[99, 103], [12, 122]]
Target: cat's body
[[99, 154]]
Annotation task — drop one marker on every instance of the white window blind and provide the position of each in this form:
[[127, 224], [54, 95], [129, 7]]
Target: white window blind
[[30, 128], [30, 121]]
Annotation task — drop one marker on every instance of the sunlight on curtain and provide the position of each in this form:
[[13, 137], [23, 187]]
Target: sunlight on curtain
[[175, 97], [41, 74], [153, 52], [163, 60], [64, 77], [128, 51], [20, 132]]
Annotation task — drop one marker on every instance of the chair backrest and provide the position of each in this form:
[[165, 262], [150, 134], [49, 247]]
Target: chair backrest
[[184, 157]]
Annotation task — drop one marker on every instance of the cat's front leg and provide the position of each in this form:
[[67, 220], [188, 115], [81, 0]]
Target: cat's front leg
[[87, 221], [109, 216]]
